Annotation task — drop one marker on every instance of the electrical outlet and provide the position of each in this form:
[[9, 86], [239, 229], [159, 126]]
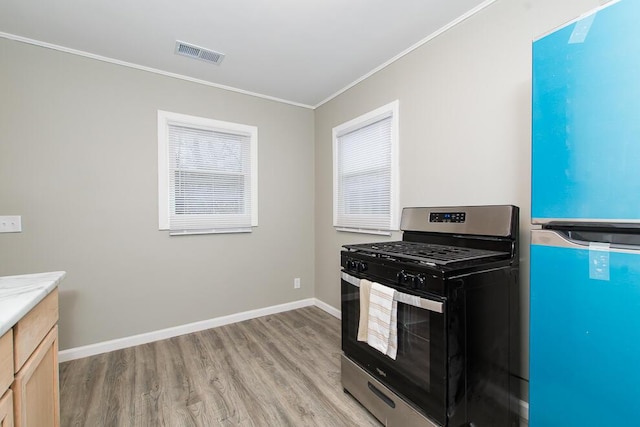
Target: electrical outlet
[[296, 283], [10, 224]]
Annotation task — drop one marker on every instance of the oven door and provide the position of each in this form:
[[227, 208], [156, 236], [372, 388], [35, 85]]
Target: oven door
[[418, 374]]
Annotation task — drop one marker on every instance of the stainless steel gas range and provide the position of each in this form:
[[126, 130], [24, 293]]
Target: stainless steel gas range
[[455, 276]]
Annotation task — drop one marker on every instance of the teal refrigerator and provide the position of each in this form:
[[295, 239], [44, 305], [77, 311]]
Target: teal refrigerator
[[585, 207]]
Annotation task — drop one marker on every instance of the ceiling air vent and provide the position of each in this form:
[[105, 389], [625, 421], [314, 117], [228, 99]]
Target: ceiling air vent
[[197, 52]]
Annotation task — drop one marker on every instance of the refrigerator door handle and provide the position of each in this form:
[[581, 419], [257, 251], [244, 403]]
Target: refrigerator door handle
[[553, 238], [558, 239]]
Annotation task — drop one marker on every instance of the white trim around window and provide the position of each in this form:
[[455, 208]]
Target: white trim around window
[[207, 175], [366, 172]]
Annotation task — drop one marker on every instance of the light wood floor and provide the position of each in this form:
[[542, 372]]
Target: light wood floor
[[278, 370]]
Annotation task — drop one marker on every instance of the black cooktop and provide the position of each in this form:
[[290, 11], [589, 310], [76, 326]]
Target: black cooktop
[[426, 252]]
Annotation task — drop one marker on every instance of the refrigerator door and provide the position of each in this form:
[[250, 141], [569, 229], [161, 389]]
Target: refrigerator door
[[585, 333], [586, 118]]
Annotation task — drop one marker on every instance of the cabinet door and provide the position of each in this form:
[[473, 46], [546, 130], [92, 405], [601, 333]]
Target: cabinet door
[[6, 362], [6, 410], [35, 388]]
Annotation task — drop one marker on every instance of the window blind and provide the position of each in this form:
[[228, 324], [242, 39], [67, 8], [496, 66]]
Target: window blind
[[364, 176], [209, 180]]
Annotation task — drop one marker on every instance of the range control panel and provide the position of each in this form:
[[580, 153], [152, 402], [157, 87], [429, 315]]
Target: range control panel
[[457, 217]]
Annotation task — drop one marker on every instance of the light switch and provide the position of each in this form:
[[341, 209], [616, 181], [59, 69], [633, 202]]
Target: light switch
[[10, 224]]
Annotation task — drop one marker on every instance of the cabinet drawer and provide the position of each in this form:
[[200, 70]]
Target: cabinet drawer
[[33, 327], [6, 361], [6, 409]]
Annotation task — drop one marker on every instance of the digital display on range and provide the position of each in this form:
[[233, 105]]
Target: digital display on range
[[457, 217]]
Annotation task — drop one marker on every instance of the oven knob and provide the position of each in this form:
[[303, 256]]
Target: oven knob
[[419, 281], [362, 266], [351, 265], [411, 281], [402, 277]]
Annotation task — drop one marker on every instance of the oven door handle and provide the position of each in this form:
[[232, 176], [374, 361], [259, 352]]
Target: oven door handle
[[414, 300]]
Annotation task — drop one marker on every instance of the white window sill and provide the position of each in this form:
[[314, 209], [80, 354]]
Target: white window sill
[[364, 231], [212, 231]]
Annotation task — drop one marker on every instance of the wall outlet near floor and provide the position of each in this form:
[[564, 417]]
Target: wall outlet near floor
[[296, 283], [10, 224]]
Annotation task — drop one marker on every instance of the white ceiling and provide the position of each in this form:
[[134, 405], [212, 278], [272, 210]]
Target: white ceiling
[[299, 51]]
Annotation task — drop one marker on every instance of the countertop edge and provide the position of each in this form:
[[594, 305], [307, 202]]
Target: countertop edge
[[25, 302]]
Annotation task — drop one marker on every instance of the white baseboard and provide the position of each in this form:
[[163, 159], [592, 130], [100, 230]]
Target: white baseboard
[[120, 343], [328, 308]]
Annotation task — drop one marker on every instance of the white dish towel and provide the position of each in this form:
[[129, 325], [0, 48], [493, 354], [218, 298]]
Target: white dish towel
[[363, 324], [383, 320]]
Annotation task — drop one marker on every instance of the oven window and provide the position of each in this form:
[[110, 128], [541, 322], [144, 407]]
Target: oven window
[[418, 372], [413, 342]]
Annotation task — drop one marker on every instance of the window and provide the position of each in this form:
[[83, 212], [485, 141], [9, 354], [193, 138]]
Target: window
[[365, 172], [207, 175]]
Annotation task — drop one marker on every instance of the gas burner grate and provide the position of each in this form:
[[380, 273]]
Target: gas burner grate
[[427, 252]]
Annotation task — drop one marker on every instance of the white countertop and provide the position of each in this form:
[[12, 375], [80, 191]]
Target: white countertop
[[19, 294]]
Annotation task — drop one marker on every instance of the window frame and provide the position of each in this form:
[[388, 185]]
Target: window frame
[[390, 110], [166, 118]]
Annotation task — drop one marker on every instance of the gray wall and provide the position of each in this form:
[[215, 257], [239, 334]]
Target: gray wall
[[78, 161], [465, 125]]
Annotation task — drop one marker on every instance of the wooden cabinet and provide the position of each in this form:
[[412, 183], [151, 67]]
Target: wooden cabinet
[[29, 332], [35, 387], [29, 365], [6, 410], [6, 378], [6, 361]]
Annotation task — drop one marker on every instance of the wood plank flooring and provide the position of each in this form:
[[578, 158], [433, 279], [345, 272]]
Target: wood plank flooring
[[278, 370]]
